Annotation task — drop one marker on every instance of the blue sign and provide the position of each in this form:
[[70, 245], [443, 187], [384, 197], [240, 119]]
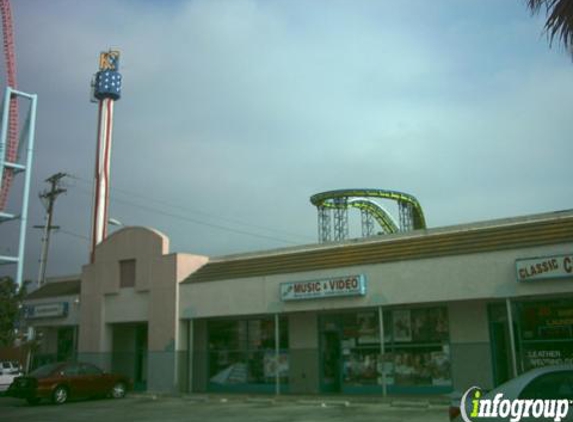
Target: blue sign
[[46, 310]]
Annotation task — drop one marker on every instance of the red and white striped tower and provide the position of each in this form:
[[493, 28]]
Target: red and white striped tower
[[106, 89]]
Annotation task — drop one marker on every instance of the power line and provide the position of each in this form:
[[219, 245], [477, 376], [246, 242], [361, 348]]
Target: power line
[[192, 220], [69, 233], [209, 215], [203, 223]]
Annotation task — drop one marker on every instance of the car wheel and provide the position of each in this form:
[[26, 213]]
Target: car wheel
[[33, 400], [60, 395], [118, 391]]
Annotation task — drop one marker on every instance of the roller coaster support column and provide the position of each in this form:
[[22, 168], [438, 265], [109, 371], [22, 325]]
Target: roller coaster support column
[[367, 223], [21, 164], [406, 216], [324, 225], [340, 219]]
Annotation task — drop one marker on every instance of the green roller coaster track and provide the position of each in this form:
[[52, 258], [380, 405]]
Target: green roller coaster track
[[384, 219], [343, 199]]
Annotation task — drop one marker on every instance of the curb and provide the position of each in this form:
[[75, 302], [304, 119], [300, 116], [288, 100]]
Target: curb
[[260, 400], [142, 396], [410, 404], [325, 403], [196, 399], [336, 403], [439, 406]]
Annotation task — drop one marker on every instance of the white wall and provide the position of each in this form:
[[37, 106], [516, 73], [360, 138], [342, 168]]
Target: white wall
[[126, 306], [470, 346], [468, 322], [452, 278]]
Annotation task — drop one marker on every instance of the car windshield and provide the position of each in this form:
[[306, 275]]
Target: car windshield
[[43, 371]]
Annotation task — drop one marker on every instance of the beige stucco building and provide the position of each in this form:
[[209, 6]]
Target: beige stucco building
[[428, 311]]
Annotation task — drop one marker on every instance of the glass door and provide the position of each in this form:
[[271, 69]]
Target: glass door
[[500, 343], [331, 362]]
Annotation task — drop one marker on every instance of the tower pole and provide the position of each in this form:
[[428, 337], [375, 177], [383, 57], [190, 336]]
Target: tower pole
[[107, 89]]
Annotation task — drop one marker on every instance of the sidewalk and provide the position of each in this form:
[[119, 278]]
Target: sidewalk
[[414, 402]]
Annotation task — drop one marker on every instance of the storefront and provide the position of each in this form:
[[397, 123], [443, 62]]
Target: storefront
[[405, 314], [52, 313], [242, 354], [425, 312], [414, 357], [545, 332]]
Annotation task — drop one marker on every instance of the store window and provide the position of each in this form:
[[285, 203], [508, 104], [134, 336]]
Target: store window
[[545, 333], [360, 348], [243, 351], [417, 347]]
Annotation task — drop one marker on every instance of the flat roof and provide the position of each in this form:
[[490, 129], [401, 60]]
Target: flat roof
[[61, 286], [500, 234]]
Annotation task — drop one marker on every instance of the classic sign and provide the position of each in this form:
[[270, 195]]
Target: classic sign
[[354, 285], [544, 267]]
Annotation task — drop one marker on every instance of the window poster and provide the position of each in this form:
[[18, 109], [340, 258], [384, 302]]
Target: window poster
[[270, 364], [360, 367], [546, 321], [422, 367], [368, 332], [386, 369], [233, 374], [429, 325], [541, 354], [402, 325], [440, 368]]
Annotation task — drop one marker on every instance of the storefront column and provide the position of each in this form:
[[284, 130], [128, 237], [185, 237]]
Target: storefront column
[[382, 348], [75, 342], [277, 354], [511, 335], [190, 348]]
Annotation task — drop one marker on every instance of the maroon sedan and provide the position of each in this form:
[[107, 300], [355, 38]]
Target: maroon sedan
[[59, 382]]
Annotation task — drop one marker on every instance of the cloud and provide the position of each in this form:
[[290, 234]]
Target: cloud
[[238, 111]]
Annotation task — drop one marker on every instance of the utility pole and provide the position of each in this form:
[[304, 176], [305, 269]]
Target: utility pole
[[48, 198]]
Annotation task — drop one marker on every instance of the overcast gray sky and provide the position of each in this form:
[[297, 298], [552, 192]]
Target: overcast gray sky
[[235, 112]]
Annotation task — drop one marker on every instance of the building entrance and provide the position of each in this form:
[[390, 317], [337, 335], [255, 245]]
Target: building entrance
[[66, 344], [543, 335], [331, 367], [500, 343], [129, 354]]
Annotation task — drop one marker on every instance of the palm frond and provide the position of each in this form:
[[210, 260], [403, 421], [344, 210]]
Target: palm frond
[[559, 24]]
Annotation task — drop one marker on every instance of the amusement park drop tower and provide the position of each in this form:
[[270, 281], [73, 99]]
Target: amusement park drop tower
[[106, 90]]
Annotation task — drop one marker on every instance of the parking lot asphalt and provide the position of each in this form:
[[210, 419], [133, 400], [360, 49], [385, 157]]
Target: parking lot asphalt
[[144, 408]]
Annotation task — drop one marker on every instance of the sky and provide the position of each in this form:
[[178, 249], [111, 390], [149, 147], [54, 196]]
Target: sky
[[233, 113]]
